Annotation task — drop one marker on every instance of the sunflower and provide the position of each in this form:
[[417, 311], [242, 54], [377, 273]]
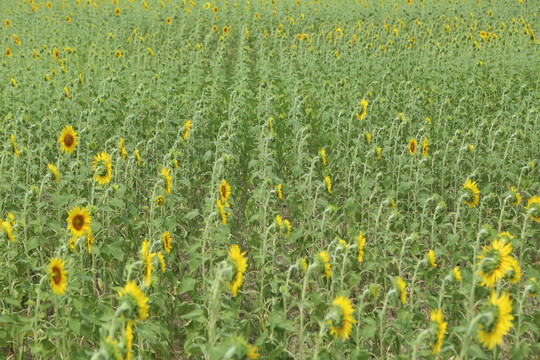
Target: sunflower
[[187, 126], [8, 230], [168, 21], [129, 340], [402, 285], [222, 211], [79, 221], [328, 184], [362, 115], [340, 317], [160, 200], [117, 11], [253, 352], [456, 273], [516, 196], [239, 263], [167, 240], [279, 190], [439, 325], [432, 259], [123, 150], [495, 261], [89, 241], [206, 6], [286, 228], [361, 244], [103, 167], [379, 152], [322, 154], [68, 139], [138, 156], [168, 179], [58, 276], [8, 52], [533, 208], [425, 147], [497, 320], [8, 23], [214, 28], [368, 138], [147, 259], [118, 54], [225, 29], [514, 274], [136, 303], [324, 261], [472, 190], [161, 261], [412, 146]]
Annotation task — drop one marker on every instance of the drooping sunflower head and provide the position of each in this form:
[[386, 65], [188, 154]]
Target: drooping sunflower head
[[340, 317], [412, 146], [401, 287], [361, 244], [68, 140], [161, 261], [328, 184], [167, 240], [239, 263], [8, 230], [514, 274], [425, 147], [533, 208], [456, 274], [439, 328], [431, 258], [279, 190], [516, 196], [55, 172], [58, 276], [495, 261], [323, 261], [102, 167], [134, 302], [166, 173], [471, 189], [497, 320], [79, 220], [224, 190], [147, 260], [363, 111]]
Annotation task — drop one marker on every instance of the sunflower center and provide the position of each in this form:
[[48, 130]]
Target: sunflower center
[[223, 190], [56, 275], [489, 321], [412, 147], [78, 222], [68, 140]]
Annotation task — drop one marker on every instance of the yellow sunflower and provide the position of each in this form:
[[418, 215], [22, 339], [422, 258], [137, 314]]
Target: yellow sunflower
[[495, 261], [134, 301], [160, 200], [472, 190], [340, 317], [8, 52], [322, 154], [533, 208], [239, 263], [55, 172], [456, 273], [58, 276], [168, 21], [516, 195], [440, 325], [68, 140], [328, 184], [79, 220], [324, 261], [514, 274], [425, 147], [432, 259], [279, 189], [224, 190], [8, 230], [497, 320], [167, 240], [123, 150], [103, 167], [361, 244], [187, 127], [362, 115], [412, 146], [168, 179], [147, 259], [402, 285], [222, 211], [161, 261], [129, 340]]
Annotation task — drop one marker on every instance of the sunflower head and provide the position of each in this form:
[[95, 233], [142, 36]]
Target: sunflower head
[[516, 196], [361, 244], [496, 320], [471, 193], [167, 240], [340, 317], [58, 276], [431, 258], [160, 200], [68, 140], [456, 274], [79, 220], [495, 261], [134, 304], [102, 167], [438, 326], [323, 262], [239, 265], [166, 173], [239, 348], [412, 146], [514, 274], [363, 111], [425, 147], [533, 208], [224, 190], [401, 287]]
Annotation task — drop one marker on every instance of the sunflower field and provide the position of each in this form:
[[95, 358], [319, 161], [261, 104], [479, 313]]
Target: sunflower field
[[271, 179]]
